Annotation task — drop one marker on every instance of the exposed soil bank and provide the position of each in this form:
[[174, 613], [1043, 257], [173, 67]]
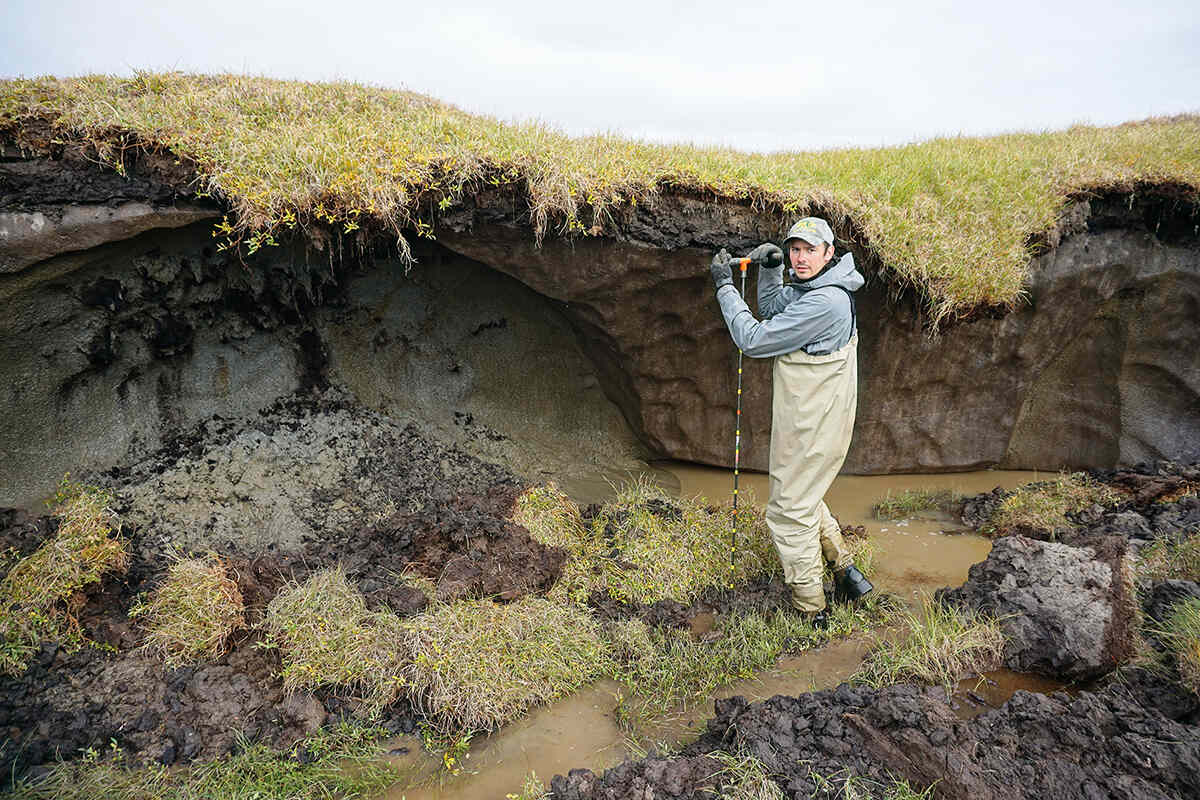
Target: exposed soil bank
[[1099, 368], [617, 353]]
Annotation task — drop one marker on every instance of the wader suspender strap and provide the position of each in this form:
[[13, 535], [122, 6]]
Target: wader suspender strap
[[853, 321]]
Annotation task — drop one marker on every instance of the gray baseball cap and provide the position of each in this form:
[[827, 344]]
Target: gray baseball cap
[[813, 230]]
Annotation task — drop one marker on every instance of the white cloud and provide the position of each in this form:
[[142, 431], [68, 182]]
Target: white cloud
[[753, 74]]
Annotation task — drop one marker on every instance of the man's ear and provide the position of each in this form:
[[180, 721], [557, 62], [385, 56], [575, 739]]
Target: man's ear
[[828, 252]]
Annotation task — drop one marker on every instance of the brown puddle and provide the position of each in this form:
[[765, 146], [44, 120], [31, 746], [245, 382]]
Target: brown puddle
[[917, 556], [973, 696]]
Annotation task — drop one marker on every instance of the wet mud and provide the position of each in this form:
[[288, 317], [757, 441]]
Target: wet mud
[[1102, 744]]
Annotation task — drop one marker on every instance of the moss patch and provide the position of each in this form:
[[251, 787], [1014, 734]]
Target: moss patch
[[952, 217]]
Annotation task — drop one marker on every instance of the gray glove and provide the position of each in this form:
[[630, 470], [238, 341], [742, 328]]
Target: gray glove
[[722, 273], [761, 255]]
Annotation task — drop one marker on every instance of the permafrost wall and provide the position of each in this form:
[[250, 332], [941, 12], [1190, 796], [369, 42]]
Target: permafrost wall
[[120, 325]]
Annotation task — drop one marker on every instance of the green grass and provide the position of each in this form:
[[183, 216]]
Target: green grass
[[1044, 505], [1181, 634], [41, 592], [937, 646], [847, 786], [342, 762], [476, 665], [192, 615], [911, 502], [645, 546], [327, 636], [744, 777], [952, 217], [663, 670], [550, 517], [1163, 559]]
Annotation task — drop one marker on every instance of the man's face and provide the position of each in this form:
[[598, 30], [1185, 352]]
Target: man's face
[[807, 259]]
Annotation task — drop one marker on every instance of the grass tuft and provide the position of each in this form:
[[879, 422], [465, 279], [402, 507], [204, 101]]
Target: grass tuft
[[192, 615], [954, 218], [663, 669], [939, 645], [475, 664], [550, 517], [910, 502], [744, 777], [1164, 559], [1043, 506], [327, 636], [645, 546], [1181, 634], [847, 786], [342, 761], [41, 593]]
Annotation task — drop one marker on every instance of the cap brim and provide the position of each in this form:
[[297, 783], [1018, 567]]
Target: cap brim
[[811, 239]]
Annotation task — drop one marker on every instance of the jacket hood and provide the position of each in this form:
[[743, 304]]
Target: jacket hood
[[841, 273]]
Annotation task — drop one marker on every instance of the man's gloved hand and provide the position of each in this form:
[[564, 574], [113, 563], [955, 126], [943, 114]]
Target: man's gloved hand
[[762, 253], [722, 273]]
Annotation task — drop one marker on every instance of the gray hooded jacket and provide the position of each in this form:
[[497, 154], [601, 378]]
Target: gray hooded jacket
[[813, 316]]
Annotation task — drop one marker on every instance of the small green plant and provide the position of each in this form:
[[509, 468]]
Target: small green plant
[[910, 502], [1043, 506], [41, 593], [327, 636], [937, 646], [192, 615], [1166, 559], [1181, 634], [475, 664], [532, 789]]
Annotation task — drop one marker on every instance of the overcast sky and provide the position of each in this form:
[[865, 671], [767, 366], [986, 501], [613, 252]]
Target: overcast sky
[[748, 74]]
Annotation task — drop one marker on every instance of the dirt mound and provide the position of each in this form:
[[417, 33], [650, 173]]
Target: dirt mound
[[1101, 744], [1065, 611], [344, 485]]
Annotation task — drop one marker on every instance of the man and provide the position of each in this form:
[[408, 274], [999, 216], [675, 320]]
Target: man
[[809, 326]]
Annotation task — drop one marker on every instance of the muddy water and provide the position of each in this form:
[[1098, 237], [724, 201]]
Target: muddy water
[[916, 556]]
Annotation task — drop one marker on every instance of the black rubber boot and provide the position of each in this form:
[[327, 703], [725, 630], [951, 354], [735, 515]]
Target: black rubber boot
[[851, 585], [818, 619]]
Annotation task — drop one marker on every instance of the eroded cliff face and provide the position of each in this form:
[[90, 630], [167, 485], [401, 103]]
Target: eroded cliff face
[[112, 343], [121, 324], [1099, 367]]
